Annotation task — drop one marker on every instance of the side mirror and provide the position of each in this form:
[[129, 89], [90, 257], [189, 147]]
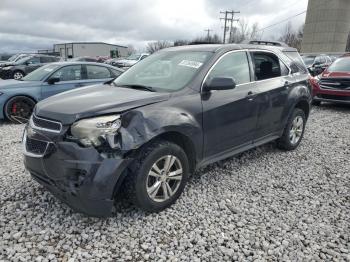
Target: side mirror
[[53, 80], [219, 83]]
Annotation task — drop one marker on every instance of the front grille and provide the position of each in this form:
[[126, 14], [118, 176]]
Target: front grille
[[36, 147], [49, 125], [335, 83]]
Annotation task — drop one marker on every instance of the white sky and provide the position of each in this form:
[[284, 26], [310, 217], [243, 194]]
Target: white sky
[[28, 25]]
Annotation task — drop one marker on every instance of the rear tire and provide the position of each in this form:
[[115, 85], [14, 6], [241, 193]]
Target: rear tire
[[18, 109], [158, 176], [294, 131]]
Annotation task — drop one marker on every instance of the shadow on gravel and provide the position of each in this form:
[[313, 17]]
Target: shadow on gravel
[[334, 107]]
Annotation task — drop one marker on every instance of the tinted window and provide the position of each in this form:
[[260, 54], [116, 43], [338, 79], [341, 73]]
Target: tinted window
[[41, 73], [115, 73], [296, 59], [45, 59], [34, 60], [97, 72], [233, 65], [266, 65], [68, 73]]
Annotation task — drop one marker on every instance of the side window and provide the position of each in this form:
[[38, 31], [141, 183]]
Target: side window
[[233, 65], [318, 60], [284, 69], [68, 73], [97, 72], [115, 73], [266, 65], [34, 60], [45, 59]]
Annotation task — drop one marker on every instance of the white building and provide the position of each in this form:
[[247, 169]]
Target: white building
[[93, 49]]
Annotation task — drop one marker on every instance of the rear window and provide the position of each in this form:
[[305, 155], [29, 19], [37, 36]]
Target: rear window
[[340, 65], [296, 58]]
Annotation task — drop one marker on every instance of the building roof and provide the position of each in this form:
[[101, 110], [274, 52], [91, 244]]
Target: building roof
[[87, 43]]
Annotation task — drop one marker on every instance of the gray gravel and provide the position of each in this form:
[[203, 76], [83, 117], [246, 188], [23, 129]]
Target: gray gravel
[[264, 204]]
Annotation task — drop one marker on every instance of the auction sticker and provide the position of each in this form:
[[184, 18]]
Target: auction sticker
[[189, 63]]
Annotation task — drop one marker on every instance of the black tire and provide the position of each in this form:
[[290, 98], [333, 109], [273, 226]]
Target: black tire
[[284, 142], [137, 179], [18, 74], [316, 103], [18, 109]]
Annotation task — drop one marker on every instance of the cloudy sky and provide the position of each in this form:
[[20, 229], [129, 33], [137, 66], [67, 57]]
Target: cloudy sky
[[28, 25]]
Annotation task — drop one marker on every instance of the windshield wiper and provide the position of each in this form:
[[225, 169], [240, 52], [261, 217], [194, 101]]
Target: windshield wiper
[[141, 87]]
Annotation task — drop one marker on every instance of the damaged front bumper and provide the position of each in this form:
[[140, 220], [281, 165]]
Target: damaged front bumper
[[79, 176]]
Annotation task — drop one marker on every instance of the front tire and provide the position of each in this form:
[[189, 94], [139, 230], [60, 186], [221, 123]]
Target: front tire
[[158, 176], [17, 75], [19, 109], [294, 131]]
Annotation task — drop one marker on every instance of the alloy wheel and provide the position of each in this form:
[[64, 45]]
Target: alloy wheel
[[164, 178], [296, 130], [17, 75]]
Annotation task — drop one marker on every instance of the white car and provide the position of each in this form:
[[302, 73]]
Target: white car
[[129, 61]]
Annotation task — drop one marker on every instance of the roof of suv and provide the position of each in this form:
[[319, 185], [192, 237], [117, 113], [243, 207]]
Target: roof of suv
[[228, 47]]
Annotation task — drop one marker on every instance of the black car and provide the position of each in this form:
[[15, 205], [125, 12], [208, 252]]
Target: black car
[[316, 64], [17, 70], [180, 109]]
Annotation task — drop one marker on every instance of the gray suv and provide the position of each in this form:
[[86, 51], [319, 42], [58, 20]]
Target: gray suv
[[180, 109], [24, 66]]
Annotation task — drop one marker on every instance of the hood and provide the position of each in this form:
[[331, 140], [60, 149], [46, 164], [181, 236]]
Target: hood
[[327, 74], [3, 64], [71, 106], [11, 83], [126, 62]]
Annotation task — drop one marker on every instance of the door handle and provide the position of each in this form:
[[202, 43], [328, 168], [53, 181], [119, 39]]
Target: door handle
[[250, 96]]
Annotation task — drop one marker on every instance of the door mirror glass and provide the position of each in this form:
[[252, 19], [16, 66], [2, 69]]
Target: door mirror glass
[[53, 80], [219, 83]]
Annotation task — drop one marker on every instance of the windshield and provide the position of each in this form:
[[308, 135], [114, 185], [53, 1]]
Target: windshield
[[340, 65], [12, 58], [40, 73], [23, 60], [308, 60], [133, 57], [164, 71]]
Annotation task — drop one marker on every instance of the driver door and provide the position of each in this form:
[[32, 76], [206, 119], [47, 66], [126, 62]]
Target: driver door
[[230, 116], [70, 77]]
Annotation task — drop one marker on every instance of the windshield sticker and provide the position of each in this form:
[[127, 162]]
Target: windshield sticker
[[48, 69], [193, 64]]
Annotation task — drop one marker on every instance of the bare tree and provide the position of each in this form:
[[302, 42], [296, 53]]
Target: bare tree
[[244, 31], [158, 45], [131, 49], [292, 37]]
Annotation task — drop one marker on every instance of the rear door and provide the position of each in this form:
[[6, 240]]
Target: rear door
[[70, 77], [274, 80], [96, 74]]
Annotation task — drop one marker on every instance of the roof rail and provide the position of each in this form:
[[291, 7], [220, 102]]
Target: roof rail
[[264, 42]]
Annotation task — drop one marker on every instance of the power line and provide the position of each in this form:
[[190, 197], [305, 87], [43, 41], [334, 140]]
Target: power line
[[280, 22]]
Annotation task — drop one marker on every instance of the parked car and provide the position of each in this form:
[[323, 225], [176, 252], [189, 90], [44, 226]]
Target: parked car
[[13, 59], [333, 85], [84, 59], [128, 61], [316, 64], [18, 98], [176, 111], [24, 66]]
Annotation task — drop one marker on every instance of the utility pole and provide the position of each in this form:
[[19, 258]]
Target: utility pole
[[208, 33], [228, 19]]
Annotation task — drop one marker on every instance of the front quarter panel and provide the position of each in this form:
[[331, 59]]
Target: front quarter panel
[[181, 114]]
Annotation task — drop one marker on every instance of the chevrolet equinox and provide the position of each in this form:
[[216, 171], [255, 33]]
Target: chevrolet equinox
[[179, 109]]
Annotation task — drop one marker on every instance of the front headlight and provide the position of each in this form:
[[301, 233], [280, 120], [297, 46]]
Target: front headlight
[[92, 131], [7, 68]]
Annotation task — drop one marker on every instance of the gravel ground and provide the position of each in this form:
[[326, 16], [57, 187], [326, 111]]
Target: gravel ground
[[264, 204]]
